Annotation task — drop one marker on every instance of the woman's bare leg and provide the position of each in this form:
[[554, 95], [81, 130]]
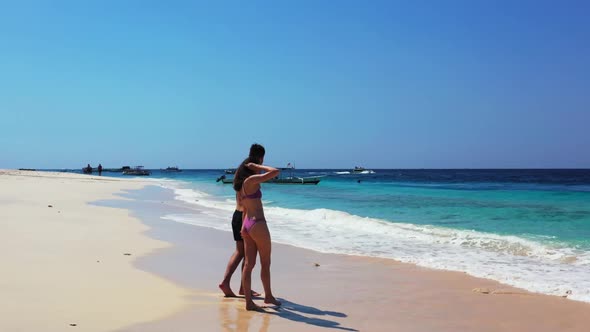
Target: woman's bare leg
[[261, 235], [250, 249], [241, 292]]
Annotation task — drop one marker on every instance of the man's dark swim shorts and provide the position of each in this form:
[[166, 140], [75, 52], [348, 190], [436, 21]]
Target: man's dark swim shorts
[[236, 225]]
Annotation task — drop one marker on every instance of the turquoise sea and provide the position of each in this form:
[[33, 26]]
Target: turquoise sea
[[527, 228]]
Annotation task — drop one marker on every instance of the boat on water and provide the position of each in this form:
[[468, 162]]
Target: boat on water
[[286, 177], [224, 179], [115, 170], [171, 169], [282, 178], [362, 170], [296, 180], [89, 170], [230, 171], [137, 170]]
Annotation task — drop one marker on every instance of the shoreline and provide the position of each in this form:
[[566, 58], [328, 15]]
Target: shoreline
[[381, 294], [537, 264]]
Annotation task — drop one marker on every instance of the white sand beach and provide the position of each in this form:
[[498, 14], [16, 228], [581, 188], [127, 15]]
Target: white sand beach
[[66, 262], [70, 262]]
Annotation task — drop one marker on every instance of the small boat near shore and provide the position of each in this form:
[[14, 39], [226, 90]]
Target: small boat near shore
[[285, 180], [296, 180], [90, 170], [224, 179], [281, 179], [137, 170], [292, 179], [87, 170], [116, 170]]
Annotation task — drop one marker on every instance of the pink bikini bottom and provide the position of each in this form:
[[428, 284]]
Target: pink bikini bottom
[[250, 222]]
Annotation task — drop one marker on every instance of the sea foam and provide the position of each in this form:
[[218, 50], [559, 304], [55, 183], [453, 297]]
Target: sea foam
[[545, 267]]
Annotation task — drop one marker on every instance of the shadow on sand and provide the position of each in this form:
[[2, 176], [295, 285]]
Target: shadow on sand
[[293, 311]]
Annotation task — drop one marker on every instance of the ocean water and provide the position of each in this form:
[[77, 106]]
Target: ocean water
[[526, 228]]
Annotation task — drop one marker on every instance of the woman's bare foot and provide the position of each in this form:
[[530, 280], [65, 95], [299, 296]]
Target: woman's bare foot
[[271, 300], [226, 290], [254, 293], [253, 307]]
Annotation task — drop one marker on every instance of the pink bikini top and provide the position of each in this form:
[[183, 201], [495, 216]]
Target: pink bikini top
[[257, 194]]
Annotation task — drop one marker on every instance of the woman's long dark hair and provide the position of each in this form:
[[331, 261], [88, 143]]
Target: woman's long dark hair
[[242, 173]]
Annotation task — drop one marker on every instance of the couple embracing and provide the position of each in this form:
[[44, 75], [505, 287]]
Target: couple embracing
[[249, 227]]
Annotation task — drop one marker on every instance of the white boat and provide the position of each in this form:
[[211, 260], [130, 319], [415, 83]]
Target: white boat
[[362, 170]]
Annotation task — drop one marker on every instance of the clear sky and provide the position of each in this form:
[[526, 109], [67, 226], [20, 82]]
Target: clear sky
[[322, 84]]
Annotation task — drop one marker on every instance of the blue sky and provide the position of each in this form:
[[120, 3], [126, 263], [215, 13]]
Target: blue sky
[[322, 84]]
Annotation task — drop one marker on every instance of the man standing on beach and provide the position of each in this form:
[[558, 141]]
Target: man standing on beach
[[99, 169]]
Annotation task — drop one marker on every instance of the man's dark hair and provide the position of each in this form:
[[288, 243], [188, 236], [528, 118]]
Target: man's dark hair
[[256, 153]]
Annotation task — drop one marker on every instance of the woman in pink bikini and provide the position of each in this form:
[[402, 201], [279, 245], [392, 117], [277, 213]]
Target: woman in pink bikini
[[247, 180]]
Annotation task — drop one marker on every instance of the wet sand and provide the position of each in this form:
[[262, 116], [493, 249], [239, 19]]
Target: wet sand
[[326, 291]]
